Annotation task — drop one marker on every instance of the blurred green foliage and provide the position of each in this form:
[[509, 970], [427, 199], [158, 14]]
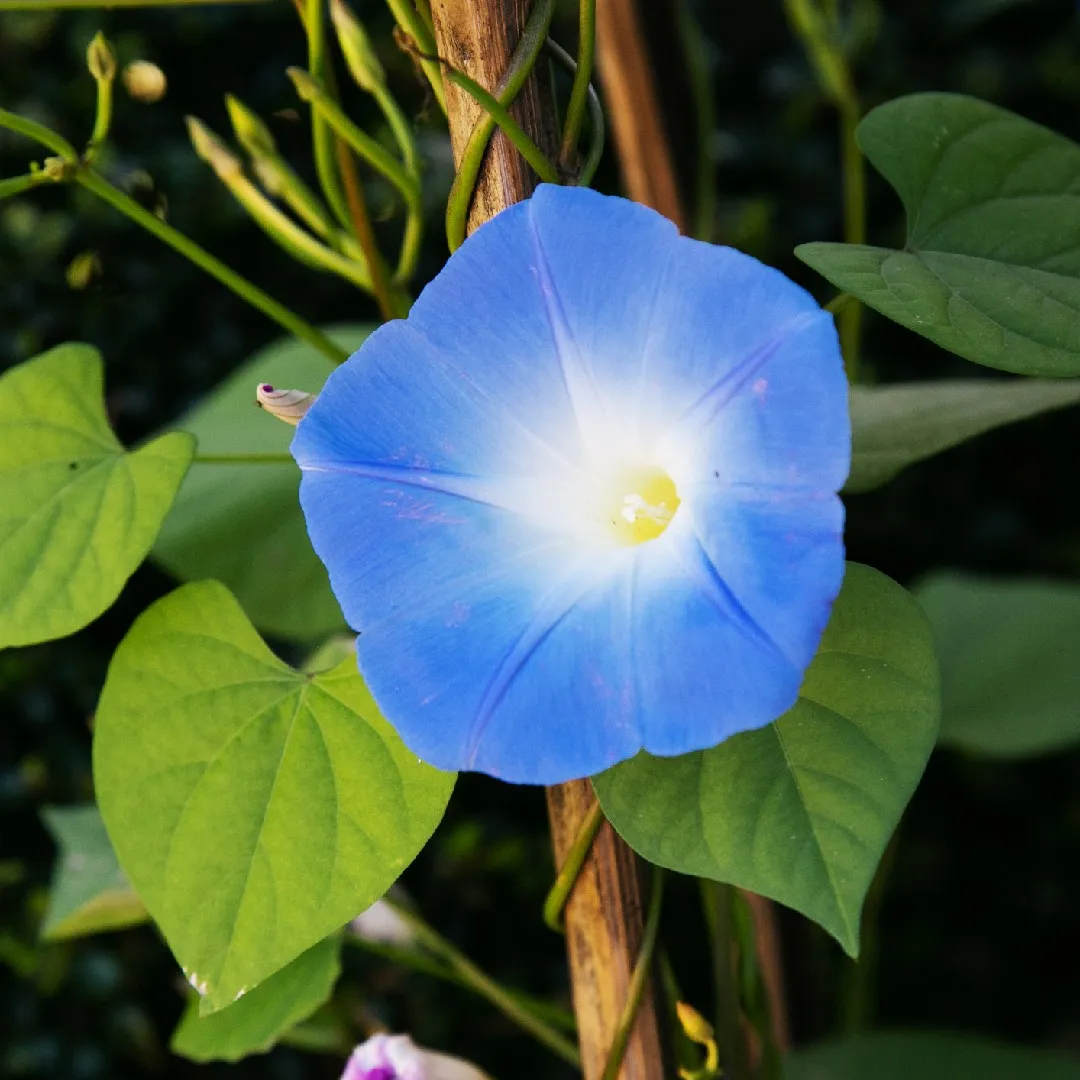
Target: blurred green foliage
[[981, 902]]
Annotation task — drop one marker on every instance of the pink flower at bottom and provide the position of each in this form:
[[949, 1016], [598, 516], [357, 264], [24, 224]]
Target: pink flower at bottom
[[397, 1057]]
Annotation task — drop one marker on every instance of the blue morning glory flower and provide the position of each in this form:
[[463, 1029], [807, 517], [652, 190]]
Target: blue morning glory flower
[[583, 500]]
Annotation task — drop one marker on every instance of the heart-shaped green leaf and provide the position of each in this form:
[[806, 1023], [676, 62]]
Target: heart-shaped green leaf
[[255, 1023], [1010, 663], [78, 513], [907, 1055], [255, 809], [894, 426], [801, 810], [241, 523], [991, 266], [89, 891]]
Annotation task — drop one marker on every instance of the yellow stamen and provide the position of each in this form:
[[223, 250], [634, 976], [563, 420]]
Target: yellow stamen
[[642, 503]]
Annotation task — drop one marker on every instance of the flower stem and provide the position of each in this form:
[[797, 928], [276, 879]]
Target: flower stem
[[243, 288], [596, 117], [487, 987], [692, 41], [854, 227], [579, 91]]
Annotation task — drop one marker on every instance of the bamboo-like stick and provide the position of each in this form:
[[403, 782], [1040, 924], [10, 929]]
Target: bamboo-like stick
[[604, 912]]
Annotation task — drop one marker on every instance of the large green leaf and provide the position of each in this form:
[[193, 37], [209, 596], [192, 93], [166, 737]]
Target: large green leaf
[[256, 809], [241, 523], [991, 265], [927, 1056], [801, 810], [255, 1023], [1010, 663], [89, 891], [78, 513], [894, 426]]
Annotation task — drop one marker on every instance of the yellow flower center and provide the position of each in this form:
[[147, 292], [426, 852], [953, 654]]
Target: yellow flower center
[[641, 504]]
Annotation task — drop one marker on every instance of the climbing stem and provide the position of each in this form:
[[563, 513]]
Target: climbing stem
[[571, 868], [579, 91]]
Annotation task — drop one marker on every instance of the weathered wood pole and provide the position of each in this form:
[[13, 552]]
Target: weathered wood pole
[[604, 912]]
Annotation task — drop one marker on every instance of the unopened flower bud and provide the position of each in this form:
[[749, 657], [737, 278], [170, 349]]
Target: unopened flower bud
[[382, 925], [144, 81], [356, 47], [287, 405], [306, 87], [212, 150], [100, 59], [251, 133], [699, 1030], [397, 1057]]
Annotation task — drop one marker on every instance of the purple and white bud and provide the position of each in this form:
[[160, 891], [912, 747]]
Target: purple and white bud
[[397, 1057], [287, 405]]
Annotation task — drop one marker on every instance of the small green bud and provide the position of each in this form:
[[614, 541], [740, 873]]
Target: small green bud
[[212, 150], [83, 269], [306, 87], [100, 59], [356, 47], [251, 133]]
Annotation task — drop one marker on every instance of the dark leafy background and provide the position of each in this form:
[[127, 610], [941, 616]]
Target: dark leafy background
[[979, 918]]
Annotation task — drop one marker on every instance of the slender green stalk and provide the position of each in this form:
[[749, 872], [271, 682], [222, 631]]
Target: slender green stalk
[[579, 91], [753, 991], [860, 987], [243, 459], [16, 185], [639, 979], [514, 131], [363, 144], [358, 211], [697, 68], [854, 227], [596, 118], [488, 988], [716, 902], [322, 141], [421, 962], [571, 868], [243, 288], [521, 64], [817, 28], [420, 30], [39, 133], [839, 302], [424, 7]]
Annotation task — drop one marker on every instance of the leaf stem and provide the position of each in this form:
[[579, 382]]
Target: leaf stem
[[488, 988], [39, 133], [579, 91], [854, 226], [243, 288], [243, 459]]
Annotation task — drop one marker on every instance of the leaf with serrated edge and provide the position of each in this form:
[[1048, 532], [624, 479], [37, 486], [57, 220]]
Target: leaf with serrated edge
[[254, 1024], [255, 809], [895, 426], [1010, 662], [241, 523], [89, 892], [801, 810], [991, 266], [78, 512]]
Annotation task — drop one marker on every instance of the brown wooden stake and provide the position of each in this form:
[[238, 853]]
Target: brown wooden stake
[[645, 159], [604, 911]]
